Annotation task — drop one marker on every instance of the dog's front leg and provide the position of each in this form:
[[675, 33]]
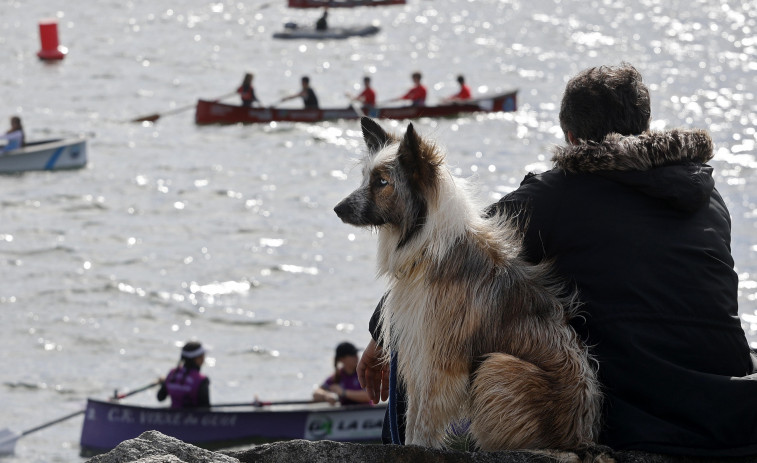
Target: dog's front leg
[[411, 417], [441, 402]]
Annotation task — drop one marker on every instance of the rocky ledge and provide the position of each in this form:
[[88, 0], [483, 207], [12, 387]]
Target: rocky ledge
[[154, 447]]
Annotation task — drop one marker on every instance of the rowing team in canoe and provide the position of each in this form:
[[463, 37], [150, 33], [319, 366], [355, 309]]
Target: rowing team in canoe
[[188, 388], [367, 98]]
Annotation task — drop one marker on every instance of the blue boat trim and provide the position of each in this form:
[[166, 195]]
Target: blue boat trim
[[54, 158]]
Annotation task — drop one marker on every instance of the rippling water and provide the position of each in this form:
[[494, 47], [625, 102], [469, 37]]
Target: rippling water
[[227, 234]]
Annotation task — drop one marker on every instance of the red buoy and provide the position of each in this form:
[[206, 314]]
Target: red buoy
[[48, 35]]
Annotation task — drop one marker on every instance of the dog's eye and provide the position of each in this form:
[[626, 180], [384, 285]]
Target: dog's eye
[[383, 182]]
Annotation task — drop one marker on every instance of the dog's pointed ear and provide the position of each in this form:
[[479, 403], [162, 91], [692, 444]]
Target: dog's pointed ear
[[416, 156], [375, 137], [410, 149], [411, 141]]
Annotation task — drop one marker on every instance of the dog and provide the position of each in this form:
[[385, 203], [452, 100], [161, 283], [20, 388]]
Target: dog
[[480, 334]]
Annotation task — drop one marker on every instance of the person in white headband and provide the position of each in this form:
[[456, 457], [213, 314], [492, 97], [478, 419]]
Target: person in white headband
[[186, 386]]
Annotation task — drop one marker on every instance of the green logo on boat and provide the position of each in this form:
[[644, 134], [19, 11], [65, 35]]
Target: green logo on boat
[[321, 427]]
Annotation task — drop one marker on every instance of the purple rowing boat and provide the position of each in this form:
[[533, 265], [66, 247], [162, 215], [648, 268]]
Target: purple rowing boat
[[107, 424]]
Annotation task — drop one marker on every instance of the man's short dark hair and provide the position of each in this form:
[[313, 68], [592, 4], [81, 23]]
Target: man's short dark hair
[[603, 100]]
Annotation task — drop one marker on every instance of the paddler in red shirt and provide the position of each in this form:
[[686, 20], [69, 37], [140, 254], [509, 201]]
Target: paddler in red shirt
[[463, 94], [417, 94], [367, 97]]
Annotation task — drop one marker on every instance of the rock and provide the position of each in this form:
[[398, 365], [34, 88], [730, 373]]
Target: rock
[[301, 451], [154, 447]]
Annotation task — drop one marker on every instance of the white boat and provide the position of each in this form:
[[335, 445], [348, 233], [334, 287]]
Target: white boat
[[66, 153], [294, 31]]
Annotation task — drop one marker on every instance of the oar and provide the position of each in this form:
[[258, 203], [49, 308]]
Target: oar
[[117, 396], [273, 105], [356, 107], [8, 438], [259, 403], [154, 117]]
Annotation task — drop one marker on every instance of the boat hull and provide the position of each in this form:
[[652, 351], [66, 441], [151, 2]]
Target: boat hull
[[341, 3], [46, 155], [213, 112], [107, 424], [330, 33]]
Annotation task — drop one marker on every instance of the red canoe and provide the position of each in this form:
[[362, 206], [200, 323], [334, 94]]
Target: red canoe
[[341, 3], [214, 112]]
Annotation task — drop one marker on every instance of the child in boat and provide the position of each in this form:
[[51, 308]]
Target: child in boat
[[343, 386], [185, 384], [14, 136]]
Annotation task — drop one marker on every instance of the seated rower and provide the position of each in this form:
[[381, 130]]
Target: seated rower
[[417, 94], [185, 384], [14, 137], [343, 386], [464, 93], [307, 94]]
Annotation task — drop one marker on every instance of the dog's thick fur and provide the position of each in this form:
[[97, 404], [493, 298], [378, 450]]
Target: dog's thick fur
[[480, 334]]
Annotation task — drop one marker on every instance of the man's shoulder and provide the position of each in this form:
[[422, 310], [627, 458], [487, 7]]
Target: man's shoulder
[[534, 187], [549, 179]]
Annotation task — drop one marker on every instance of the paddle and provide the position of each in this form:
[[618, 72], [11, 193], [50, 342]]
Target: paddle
[[8, 438], [259, 403], [154, 117], [273, 105]]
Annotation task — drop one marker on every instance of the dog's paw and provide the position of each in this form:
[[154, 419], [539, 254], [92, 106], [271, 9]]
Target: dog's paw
[[597, 454], [559, 456], [425, 442]]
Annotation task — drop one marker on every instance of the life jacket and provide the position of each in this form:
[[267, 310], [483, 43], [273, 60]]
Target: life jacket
[[247, 94], [183, 385]]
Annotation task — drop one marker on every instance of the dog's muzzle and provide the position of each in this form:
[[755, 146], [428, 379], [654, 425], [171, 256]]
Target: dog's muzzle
[[344, 210]]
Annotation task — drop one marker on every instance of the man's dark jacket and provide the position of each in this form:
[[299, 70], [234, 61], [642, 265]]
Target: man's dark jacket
[[636, 225]]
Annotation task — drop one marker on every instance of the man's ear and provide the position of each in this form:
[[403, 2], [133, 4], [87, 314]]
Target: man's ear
[[572, 138]]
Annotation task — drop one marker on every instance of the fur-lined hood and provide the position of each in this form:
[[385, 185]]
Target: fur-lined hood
[[642, 152], [668, 165]]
